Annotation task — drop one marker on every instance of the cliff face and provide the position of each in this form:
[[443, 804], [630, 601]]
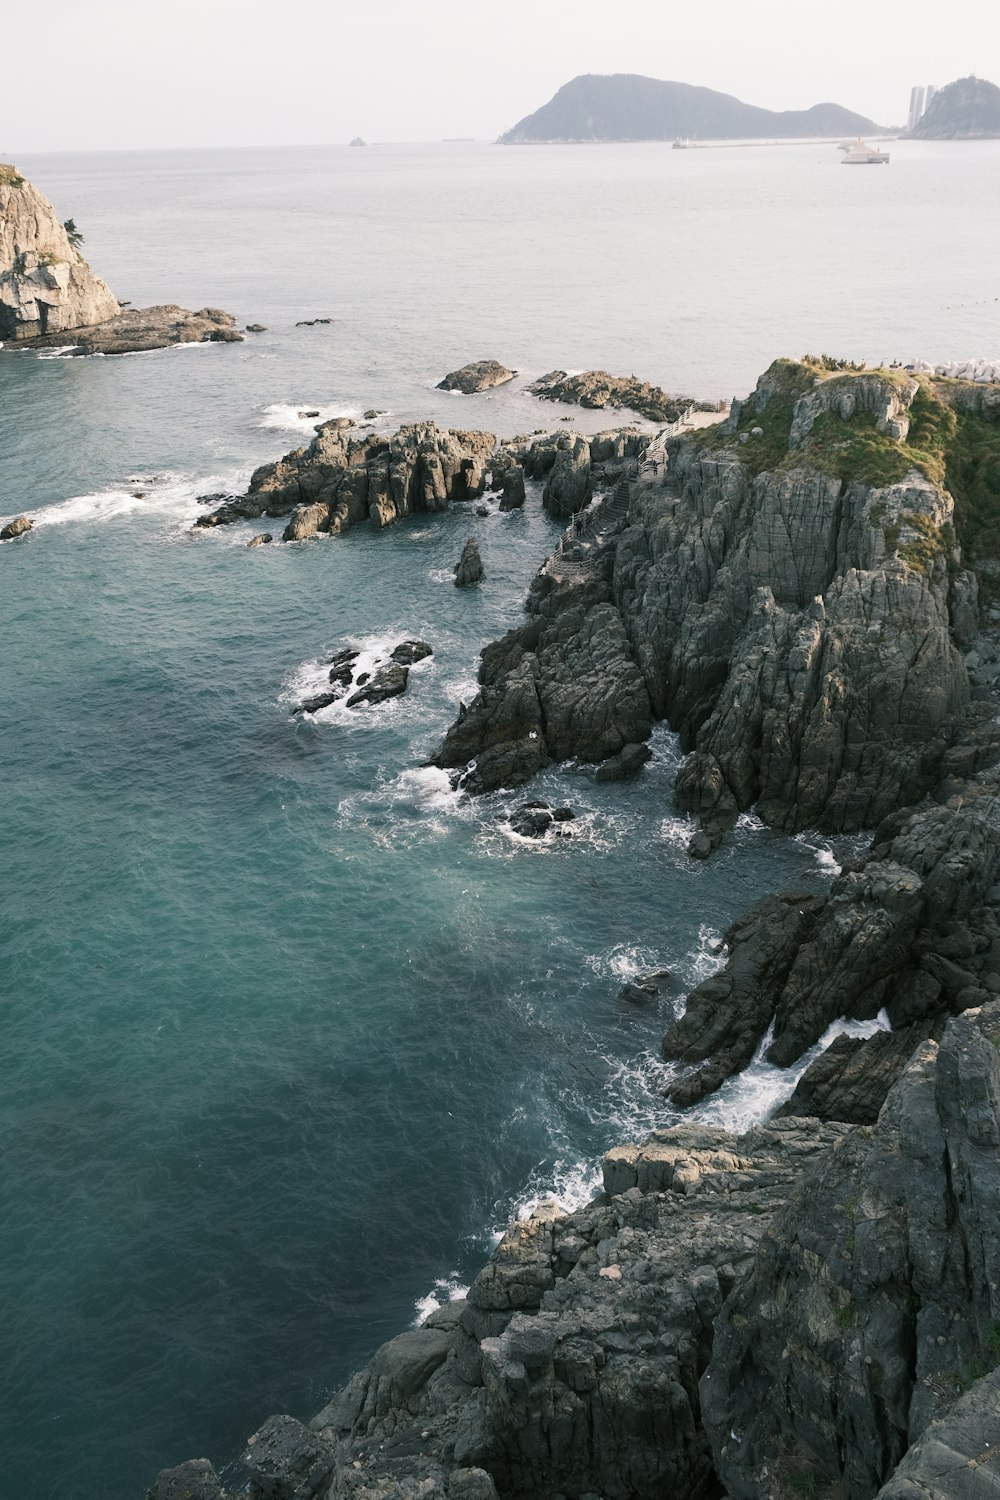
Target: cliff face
[[966, 110], [791, 601], [46, 286], [628, 107], [800, 1307]]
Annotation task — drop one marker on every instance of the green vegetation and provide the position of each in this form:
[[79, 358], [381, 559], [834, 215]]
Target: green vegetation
[[73, 234], [847, 1316], [10, 177], [955, 449]]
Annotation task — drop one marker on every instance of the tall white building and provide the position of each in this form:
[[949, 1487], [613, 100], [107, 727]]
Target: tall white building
[[918, 103], [920, 98]]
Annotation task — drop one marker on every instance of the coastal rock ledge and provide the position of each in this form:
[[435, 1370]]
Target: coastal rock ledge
[[807, 1308], [50, 297]]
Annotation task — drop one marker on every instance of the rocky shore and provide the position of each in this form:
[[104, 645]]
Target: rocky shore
[[597, 389], [811, 1308], [50, 297], [346, 476]]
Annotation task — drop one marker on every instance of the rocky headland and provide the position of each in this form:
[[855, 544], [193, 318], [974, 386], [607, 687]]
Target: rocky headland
[[811, 1308], [629, 107], [966, 110], [50, 297]]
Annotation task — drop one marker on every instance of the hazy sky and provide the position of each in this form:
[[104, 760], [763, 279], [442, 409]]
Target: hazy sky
[[91, 74]]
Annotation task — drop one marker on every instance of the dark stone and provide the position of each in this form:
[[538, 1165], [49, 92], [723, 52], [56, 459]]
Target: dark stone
[[629, 760], [408, 652], [262, 539], [255, 328], [195, 1480], [852, 1078], [469, 568], [286, 1461], [16, 528], [388, 681]]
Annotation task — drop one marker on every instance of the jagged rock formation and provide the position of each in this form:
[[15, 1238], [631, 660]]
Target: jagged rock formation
[[345, 476], [596, 389], [629, 107], [805, 1305], [49, 296], [874, 1300], [469, 568], [914, 927], [481, 375], [791, 601], [340, 479], [966, 110], [46, 285]]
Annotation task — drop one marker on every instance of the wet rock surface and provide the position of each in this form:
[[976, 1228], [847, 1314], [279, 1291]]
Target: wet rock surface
[[534, 820], [480, 375], [387, 677]]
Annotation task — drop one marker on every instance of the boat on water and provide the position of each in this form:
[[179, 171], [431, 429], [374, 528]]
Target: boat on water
[[682, 143], [859, 154]]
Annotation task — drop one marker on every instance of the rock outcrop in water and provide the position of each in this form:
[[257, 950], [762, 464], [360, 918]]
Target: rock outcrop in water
[[792, 601], [596, 389], [346, 476], [342, 478], [481, 375], [49, 296]]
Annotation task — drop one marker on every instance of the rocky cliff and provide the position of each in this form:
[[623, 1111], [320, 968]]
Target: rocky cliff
[[50, 297], [46, 285], [628, 107], [802, 1307], [792, 600]]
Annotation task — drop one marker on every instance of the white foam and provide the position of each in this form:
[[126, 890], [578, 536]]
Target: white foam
[[825, 857], [59, 353], [445, 1289], [753, 1095], [284, 417], [570, 1183], [677, 831], [168, 495], [625, 961], [426, 787]]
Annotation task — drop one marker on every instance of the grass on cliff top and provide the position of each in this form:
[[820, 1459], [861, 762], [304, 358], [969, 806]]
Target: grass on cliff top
[[10, 176], [956, 450]]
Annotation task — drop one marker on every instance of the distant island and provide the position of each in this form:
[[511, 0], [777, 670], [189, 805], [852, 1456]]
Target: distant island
[[629, 107], [357, 141], [966, 110]]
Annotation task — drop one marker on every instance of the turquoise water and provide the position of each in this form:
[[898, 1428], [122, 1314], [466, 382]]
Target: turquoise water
[[291, 1030]]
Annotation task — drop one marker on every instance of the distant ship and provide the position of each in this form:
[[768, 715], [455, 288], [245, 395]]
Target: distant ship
[[858, 154], [682, 143]]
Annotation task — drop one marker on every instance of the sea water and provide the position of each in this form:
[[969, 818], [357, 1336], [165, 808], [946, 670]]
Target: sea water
[[291, 1030]]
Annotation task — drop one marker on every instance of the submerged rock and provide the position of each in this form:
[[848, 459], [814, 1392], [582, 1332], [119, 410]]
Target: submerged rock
[[18, 527], [533, 820], [469, 568], [262, 539], [481, 375]]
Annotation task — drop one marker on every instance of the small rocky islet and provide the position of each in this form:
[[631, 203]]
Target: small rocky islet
[[810, 594]]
